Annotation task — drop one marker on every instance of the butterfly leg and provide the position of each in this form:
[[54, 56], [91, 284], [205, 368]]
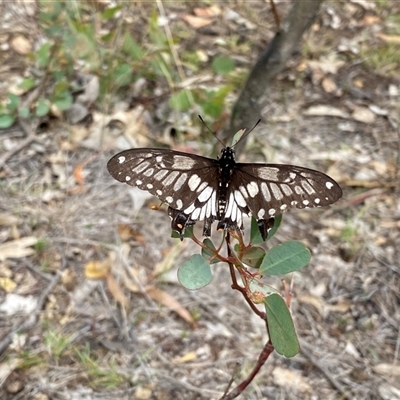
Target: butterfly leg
[[265, 225]]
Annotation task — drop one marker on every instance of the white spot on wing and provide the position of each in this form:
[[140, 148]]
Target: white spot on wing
[[159, 159], [298, 190], [149, 172], [306, 202], [180, 181], [141, 167], [329, 185], [240, 199], [286, 190], [195, 214], [190, 209], [127, 178], [170, 178], [159, 192], [265, 191], [149, 186], [193, 182], [205, 194], [261, 213], [161, 174], [183, 162], [307, 187], [275, 191], [317, 200], [179, 204], [121, 159], [268, 173], [252, 188], [139, 182], [244, 192], [229, 207], [283, 207], [169, 199], [271, 211]]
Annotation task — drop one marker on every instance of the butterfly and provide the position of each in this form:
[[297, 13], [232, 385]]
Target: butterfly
[[198, 188]]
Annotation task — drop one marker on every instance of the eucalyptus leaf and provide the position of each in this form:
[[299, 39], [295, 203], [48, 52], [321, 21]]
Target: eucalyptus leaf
[[284, 258], [280, 326], [195, 273]]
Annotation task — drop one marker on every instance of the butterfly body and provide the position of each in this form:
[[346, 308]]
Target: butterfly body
[[202, 189]]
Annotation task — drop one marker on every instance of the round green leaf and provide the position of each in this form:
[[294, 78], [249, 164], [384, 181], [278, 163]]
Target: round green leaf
[[195, 273], [6, 120], [284, 258], [253, 256], [280, 326], [42, 108], [223, 64]]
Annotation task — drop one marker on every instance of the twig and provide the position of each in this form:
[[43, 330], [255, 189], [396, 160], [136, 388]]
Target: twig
[[31, 137], [305, 350]]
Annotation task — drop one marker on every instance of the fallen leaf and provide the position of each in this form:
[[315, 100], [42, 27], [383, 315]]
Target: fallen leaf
[[17, 248], [7, 367], [392, 39], [21, 45], [363, 114], [9, 220], [328, 111], [314, 301], [7, 284], [191, 356], [212, 11], [196, 22], [69, 279], [116, 291], [329, 85], [78, 174], [97, 269], [126, 232], [170, 256], [387, 369], [170, 302]]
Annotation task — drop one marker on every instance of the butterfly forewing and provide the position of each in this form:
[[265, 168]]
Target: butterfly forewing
[[184, 181], [270, 189]]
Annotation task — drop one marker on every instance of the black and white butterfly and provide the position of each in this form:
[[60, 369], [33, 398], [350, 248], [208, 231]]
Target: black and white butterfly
[[203, 189]]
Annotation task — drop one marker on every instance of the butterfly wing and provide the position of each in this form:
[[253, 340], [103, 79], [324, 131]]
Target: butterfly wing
[[186, 182], [269, 189]]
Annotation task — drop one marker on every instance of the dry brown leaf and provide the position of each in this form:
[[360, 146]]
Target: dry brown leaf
[[196, 22], [191, 356], [363, 114], [169, 260], [329, 85], [126, 232], [78, 174], [170, 302], [116, 291], [392, 39], [21, 45], [325, 110], [69, 279], [387, 369], [7, 284], [212, 11], [342, 306], [97, 269], [9, 220], [17, 248]]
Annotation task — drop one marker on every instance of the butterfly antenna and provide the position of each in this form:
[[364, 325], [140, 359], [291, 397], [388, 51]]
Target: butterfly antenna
[[204, 123], [247, 132]]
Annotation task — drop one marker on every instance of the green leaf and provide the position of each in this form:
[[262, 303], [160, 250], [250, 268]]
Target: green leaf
[[13, 102], [108, 13], [223, 65], [43, 54], [63, 101], [195, 273], [180, 100], [42, 107], [6, 120], [27, 84], [131, 47], [284, 258], [187, 234], [255, 235], [253, 256], [24, 112], [280, 326], [123, 75], [207, 253]]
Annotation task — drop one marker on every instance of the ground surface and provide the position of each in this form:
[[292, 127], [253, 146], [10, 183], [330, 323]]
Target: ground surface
[[332, 109]]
